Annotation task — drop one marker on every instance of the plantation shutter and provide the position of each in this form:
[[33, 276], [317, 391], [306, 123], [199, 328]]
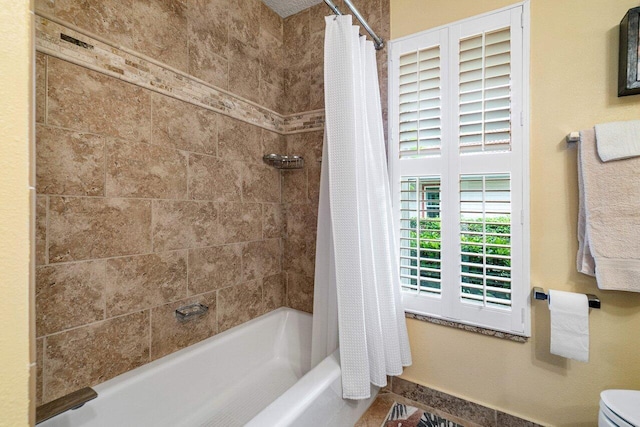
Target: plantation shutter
[[458, 166], [420, 124]]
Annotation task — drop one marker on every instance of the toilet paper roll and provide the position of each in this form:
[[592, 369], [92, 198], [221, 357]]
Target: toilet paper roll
[[569, 325]]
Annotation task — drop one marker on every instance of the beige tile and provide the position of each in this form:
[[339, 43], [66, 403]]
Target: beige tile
[[69, 295], [145, 170], [313, 178], [181, 125], [184, 224], [41, 87], [297, 189], [240, 222], [160, 30], [273, 142], [140, 282], [307, 145], [208, 41], [239, 304], [238, 140], [271, 55], [274, 292], [302, 220], [315, 72], [214, 179], [261, 259], [445, 403], [155, 28], [214, 268], [39, 361], [370, 10], [111, 19], [300, 254], [68, 162], [294, 186], [87, 228], [377, 412], [297, 88], [88, 101], [385, 19], [168, 334], [244, 70], [270, 21], [273, 221], [41, 230], [208, 66], [316, 48], [317, 14], [244, 21], [93, 354], [272, 97], [261, 183], [296, 38], [300, 292]]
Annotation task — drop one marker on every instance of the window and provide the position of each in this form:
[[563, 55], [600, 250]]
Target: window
[[458, 157]]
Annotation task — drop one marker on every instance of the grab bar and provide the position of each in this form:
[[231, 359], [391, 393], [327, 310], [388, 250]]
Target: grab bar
[[540, 294], [65, 403]]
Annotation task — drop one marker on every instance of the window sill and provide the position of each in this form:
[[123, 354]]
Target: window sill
[[476, 329]]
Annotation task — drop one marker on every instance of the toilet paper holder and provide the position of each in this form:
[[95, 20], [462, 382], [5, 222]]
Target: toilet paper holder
[[540, 294]]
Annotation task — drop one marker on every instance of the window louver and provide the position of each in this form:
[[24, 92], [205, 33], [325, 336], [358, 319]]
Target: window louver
[[485, 92], [419, 107], [485, 239], [420, 235]]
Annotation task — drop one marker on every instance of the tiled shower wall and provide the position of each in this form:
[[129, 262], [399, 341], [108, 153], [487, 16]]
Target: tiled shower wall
[[146, 203], [304, 90]]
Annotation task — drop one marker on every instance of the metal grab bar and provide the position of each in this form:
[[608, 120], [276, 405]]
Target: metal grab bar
[[377, 41], [65, 403]]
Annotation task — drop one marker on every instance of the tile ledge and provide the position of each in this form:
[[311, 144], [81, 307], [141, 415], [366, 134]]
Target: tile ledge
[[469, 328]]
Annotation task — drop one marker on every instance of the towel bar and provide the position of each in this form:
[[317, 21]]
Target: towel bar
[[540, 294]]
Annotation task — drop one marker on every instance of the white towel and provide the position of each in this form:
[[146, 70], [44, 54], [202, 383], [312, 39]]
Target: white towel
[[618, 140], [609, 218], [569, 325]]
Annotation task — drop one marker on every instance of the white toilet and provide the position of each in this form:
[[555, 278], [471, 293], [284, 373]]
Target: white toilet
[[619, 408]]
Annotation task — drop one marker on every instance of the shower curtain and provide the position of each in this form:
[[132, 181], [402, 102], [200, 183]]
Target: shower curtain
[[357, 288]]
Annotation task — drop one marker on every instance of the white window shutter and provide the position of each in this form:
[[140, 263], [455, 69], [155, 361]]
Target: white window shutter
[[458, 165]]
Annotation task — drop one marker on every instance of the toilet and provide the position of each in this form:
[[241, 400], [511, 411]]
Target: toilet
[[619, 408]]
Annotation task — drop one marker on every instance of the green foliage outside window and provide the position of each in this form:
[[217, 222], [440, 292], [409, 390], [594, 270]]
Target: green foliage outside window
[[430, 246]]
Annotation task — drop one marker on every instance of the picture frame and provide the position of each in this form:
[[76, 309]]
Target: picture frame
[[629, 59]]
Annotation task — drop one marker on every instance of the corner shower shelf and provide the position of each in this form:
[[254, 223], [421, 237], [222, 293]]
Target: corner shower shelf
[[279, 161]]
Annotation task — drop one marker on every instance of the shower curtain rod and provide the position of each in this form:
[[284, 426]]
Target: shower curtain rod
[[377, 41]]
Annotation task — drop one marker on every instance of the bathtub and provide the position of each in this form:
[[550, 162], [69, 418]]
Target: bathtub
[[257, 374]]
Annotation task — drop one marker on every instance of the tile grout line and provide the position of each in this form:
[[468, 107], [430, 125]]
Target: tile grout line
[[46, 229], [44, 353]]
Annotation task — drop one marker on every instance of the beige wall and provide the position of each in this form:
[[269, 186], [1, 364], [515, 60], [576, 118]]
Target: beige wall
[[573, 86], [15, 290]]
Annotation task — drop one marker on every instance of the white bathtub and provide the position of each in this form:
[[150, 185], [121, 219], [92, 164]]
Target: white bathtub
[[256, 375]]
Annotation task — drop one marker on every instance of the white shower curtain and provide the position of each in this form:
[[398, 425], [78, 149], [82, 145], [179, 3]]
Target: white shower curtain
[[357, 288]]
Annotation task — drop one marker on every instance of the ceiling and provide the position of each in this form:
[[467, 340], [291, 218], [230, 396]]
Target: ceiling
[[286, 8]]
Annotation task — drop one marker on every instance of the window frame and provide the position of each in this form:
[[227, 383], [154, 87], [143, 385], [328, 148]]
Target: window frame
[[446, 307]]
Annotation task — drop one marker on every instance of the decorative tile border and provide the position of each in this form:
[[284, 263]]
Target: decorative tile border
[[476, 329], [455, 408], [70, 44]]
